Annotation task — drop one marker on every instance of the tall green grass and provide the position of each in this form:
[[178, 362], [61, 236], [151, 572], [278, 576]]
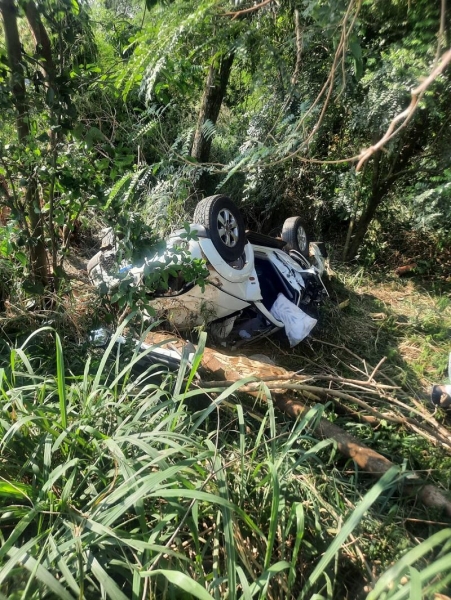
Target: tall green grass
[[113, 486]]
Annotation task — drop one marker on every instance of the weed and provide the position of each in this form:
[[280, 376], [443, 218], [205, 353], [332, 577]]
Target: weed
[[112, 487]]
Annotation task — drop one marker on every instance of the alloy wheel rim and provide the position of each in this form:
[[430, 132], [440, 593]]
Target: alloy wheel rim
[[301, 238], [227, 228]]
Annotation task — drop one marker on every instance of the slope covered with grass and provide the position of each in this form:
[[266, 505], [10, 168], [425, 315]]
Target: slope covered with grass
[[116, 485]]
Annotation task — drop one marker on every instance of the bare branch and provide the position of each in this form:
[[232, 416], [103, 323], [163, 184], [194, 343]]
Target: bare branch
[[246, 11], [406, 115]]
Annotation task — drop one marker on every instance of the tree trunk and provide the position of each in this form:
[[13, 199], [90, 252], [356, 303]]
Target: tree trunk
[[363, 223], [14, 51], [377, 195], [41, 40], [386, 171], [36, 240], [214, 92], [44, 51]]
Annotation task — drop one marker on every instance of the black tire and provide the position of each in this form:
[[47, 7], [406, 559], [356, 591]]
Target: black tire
[[93, 262], [224, 224], [295, 236]]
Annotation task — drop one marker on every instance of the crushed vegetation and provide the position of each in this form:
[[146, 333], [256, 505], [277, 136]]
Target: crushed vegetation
[[276, 496]]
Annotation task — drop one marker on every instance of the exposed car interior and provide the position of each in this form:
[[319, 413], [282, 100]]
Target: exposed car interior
[[271, 282]]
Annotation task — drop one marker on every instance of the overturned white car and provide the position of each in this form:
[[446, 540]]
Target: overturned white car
[[255, 286]]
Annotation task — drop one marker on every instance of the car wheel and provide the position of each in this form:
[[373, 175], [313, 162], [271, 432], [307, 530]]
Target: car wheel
[[224, 224], [295, 236]]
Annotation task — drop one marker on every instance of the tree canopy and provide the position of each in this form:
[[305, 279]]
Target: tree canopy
[[274, 103]]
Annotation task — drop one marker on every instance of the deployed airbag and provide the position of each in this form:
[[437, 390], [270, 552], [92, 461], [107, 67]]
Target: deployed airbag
[[297, 323]]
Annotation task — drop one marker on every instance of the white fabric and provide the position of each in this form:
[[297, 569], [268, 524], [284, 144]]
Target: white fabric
[[297, 323]]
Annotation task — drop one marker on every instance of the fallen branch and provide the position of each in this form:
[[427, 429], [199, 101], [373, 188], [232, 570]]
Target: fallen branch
[[417, 407], [234, 368], [290, 376], [367, 459], [420, 428]]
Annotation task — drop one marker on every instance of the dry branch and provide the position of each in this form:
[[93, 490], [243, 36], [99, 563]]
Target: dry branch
[[415, 406], [367, 459], [230, 369], [406, 115], [246, 11], [280, 386]]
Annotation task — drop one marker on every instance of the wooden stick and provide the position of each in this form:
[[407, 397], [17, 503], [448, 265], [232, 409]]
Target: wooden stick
[[418, 408], [234, 368], [367, 459], [424, 430]]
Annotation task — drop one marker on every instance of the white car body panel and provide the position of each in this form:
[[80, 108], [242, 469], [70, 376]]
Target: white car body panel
[[196, 307], [230, 288], [224, 269]]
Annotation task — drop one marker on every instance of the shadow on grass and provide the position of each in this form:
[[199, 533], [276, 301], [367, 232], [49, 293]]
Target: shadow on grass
[[399, 327]]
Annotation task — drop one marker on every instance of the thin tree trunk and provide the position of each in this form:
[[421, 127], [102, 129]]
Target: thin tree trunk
[[42, 40], [409, 145], [36, 241], [44, 51], [363, 223], [38, 250], [14, 51], [357, 199], [377, 195], [214, 92]]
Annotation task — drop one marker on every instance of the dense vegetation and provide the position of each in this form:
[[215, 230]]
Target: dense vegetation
[[119, 485]]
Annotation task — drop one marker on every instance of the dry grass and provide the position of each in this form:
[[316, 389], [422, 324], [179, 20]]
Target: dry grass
[[397, 331]]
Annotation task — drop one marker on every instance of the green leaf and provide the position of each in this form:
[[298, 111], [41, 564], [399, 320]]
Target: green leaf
[[15, 489], [61, 381], [22, 258], [182, 581], [75, 7]]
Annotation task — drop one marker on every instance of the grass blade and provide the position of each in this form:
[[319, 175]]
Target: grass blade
[[61, 381], [298, 510], [182, 581], [273, 521], [227, 518], [197, 358], [261, 584], [31, 564], [407, 560], [108, 584], [352, 522]]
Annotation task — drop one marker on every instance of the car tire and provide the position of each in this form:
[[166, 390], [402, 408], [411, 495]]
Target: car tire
[[295, 236], [93, 262], [224, 224]]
